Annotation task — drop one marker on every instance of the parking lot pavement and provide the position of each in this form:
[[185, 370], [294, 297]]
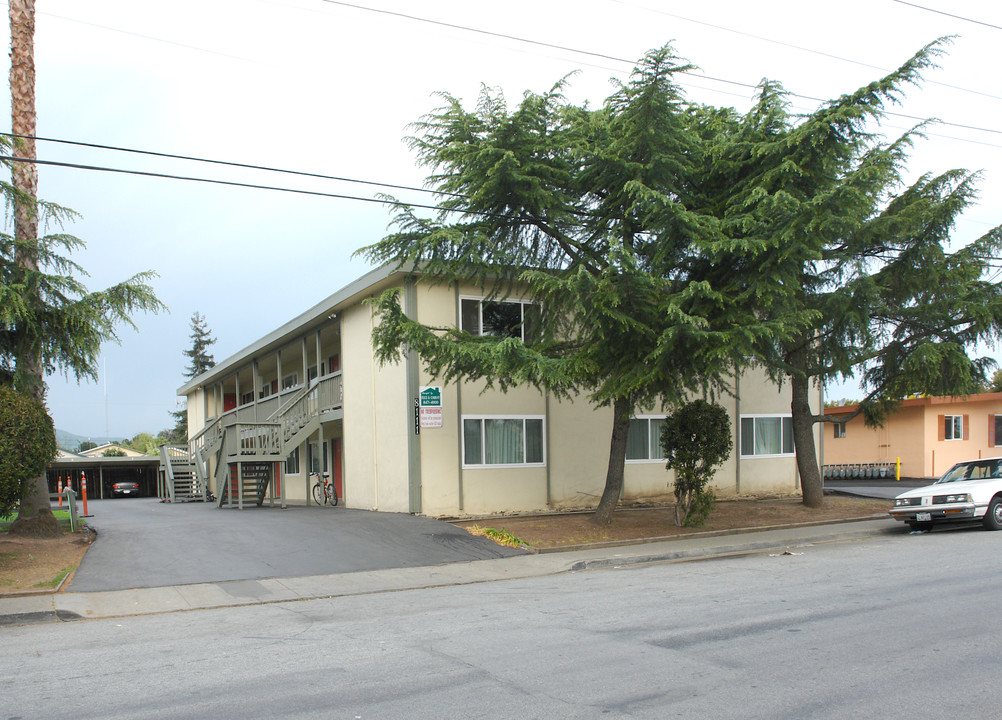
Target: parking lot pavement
[[874, 488], [144, 543]]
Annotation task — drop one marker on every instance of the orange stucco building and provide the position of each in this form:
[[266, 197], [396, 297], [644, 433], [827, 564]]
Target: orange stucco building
[[929, 434]]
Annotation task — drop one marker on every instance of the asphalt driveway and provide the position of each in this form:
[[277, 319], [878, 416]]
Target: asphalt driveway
[[145, 543]]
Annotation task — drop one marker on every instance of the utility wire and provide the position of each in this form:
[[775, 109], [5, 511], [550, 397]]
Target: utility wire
[[800, 48], [227, 163], [615, 59], [940, 12], [168, 176]]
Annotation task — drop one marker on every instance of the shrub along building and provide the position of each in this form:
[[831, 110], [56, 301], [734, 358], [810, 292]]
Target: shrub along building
[[310, 397]]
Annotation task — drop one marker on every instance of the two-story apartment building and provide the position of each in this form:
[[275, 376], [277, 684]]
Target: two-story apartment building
[[310, 396]]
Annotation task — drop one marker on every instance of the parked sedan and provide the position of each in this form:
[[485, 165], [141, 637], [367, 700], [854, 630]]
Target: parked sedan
[[968, 491], [125, 488]]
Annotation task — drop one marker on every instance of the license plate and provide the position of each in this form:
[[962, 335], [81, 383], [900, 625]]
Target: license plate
[[923, 517]]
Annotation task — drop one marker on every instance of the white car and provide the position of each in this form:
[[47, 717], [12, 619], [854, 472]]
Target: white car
[[968, 491]]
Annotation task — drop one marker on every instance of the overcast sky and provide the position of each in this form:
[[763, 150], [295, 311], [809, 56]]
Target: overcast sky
[[324, 87]]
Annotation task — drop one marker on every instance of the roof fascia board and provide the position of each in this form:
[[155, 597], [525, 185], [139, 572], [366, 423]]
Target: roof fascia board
[[294, 327]]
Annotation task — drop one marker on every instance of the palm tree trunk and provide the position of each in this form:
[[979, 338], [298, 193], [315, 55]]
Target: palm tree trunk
[[35, 514]]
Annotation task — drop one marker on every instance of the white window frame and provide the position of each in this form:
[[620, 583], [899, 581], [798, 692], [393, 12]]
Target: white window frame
[[290, 381], [651, 441], [755, 416], [957, 425], [839, 430], [246, 398], [521, 302], [485, 466]]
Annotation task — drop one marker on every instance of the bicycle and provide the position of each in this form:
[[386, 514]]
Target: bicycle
[[323, 490]]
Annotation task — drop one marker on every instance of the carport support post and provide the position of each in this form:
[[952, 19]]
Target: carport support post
[[100, 482], [240, 485]]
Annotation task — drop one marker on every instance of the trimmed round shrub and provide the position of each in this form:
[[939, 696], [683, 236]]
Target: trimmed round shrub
[[696, 439]]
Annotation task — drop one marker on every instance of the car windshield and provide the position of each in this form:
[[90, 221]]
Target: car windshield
[[973, 471]]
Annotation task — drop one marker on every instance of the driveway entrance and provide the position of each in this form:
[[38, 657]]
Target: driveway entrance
[[145, 543]]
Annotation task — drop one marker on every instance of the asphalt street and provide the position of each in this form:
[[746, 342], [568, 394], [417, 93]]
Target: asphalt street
[[887, 626], [144, 543]]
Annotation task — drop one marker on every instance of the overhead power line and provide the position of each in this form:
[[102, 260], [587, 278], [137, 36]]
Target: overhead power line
[[245, 166], [940, 12], [211, 181], [799, 48], [590, 53]]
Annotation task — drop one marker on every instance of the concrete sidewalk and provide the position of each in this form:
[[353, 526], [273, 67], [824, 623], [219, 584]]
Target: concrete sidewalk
[[68, 606]]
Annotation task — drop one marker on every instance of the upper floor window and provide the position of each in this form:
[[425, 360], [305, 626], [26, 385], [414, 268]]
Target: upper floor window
[[290, 380], [839, 429], [643, 442], [766, 435], [247, 398], [505, 318]]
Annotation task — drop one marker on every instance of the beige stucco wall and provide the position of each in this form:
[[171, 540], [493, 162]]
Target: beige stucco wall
[[196, 411], [376, 419]]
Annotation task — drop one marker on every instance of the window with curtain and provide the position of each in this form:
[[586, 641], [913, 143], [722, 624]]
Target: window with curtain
[[503, 440], [766, 435], [643, 441]]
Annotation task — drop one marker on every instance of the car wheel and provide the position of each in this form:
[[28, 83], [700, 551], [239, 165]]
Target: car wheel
[[920, 526], [993, 517]]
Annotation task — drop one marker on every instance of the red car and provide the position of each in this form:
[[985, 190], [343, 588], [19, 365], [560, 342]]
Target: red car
[[120, 489]]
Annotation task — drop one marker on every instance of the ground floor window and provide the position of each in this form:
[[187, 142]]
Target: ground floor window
[[292, 463], [643, 442], [953, 427], [503, 440], [763, 435], [995, 430], [314, 455]]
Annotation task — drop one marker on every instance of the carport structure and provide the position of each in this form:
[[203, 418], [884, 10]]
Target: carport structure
[[102, 472]]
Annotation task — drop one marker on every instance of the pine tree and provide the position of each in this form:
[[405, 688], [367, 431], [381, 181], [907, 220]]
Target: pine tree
[[199, 360], [669, 243], [48, 319], [865, 256], [602, 218]]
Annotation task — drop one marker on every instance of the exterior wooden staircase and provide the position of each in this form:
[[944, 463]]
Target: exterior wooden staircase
[[178, 479], [229, 441]]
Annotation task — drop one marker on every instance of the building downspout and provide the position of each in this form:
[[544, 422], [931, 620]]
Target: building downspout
[[413, 383], [459, 412], [737, 431], [546, 446]]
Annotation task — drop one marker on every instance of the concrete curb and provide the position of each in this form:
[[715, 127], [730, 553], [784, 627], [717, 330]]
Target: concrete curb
[[71, 606]]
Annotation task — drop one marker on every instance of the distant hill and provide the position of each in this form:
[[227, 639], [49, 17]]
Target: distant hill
[[69, 441]]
